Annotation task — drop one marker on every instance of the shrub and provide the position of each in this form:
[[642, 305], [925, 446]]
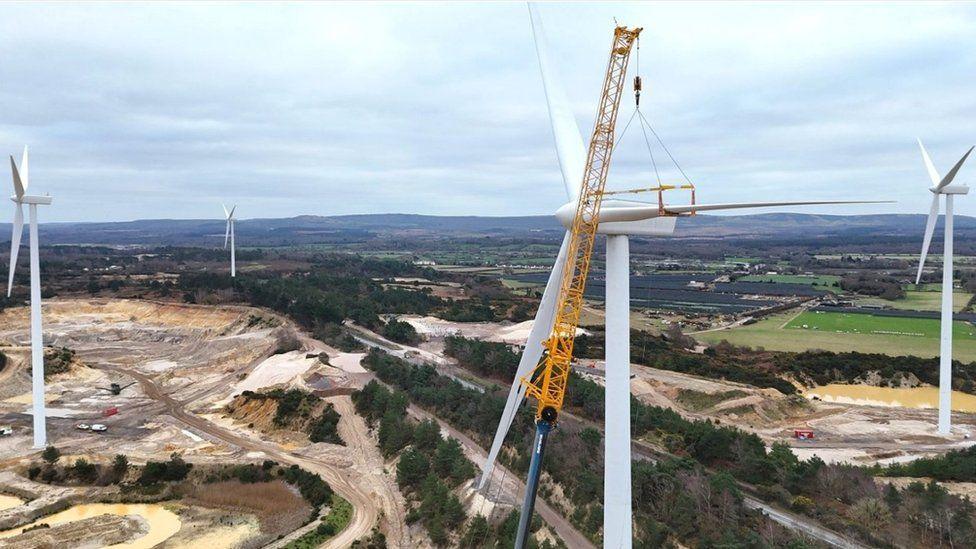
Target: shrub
[[326, 427], [173, 470], [51, 455], [315, 490], [802, 504], [871, 512], [120, 466], [401, 332], [84, 471]]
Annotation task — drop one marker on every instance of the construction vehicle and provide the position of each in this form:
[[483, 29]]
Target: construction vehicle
[[547, 382], [117, 389]]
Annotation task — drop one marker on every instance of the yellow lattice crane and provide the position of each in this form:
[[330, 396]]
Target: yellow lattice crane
[[547, 382]]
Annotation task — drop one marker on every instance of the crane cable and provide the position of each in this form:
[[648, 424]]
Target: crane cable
[[663, 146], [646, 125]]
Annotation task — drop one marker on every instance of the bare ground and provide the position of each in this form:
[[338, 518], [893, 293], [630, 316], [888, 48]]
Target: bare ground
[[186, 360]]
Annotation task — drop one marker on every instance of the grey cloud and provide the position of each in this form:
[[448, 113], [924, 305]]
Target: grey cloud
[[139, 111]]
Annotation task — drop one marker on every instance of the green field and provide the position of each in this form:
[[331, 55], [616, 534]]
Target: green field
[[819, 280], [921, 300], [855, 323], [841, 332], [925, 287], [519, 285]]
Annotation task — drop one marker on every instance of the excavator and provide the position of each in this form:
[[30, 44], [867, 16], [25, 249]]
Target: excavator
[[115, 388], [548, 380]]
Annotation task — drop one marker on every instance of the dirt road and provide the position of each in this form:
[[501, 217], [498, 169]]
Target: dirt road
[[365, 514], [563, 528], [801, 524]]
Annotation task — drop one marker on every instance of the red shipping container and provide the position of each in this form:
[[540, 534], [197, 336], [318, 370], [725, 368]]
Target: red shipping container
[[110, 411]]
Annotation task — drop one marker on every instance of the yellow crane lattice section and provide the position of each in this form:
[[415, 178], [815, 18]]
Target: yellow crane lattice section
[[548, 386]]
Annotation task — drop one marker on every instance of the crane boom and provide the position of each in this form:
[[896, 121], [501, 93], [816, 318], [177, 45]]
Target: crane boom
[[547, 382], [548, 386]]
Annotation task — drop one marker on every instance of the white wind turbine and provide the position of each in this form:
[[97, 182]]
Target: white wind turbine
[[21, 183], [229, 234], [618, 220], [943, 187]]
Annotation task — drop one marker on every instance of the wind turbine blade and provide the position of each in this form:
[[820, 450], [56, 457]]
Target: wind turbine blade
[[24, 174], [15, 244], [231, 214], [738, 206], [18, 185], [929, 229], [933, 173], [952, 173], [569, 142], [622, 211], [227, 233], [226, 213], [531, 354]]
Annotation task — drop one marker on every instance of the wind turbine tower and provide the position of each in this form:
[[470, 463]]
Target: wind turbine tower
[[20, 197], [229, 234], [618, 220], [943, 187]]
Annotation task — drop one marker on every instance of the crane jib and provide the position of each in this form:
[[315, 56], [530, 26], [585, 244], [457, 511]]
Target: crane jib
[[547, 383]]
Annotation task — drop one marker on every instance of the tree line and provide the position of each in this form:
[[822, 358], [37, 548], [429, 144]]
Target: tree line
[[430, 467], [574, 457]]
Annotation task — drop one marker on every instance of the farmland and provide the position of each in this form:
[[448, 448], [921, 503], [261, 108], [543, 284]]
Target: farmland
[[837, 334], [770, 288], [921, 301], [852, 323], [813, 280], [675, 292]]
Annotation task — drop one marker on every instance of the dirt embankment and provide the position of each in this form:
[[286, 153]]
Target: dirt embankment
[[260, 412], [698, 398], [100, 531]]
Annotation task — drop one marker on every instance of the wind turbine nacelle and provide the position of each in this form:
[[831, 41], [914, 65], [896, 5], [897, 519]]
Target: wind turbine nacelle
[[951, 189], [44, 200], [622, 217], [655, 226]]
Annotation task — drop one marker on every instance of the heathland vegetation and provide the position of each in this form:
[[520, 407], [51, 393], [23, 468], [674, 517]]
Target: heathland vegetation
[[579, 469], [336, 288], [696, 496]]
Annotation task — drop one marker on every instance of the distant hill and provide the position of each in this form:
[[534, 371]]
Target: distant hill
[[796, 225], [358, 228]]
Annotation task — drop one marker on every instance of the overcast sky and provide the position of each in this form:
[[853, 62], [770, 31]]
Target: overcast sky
[[137, 111]]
